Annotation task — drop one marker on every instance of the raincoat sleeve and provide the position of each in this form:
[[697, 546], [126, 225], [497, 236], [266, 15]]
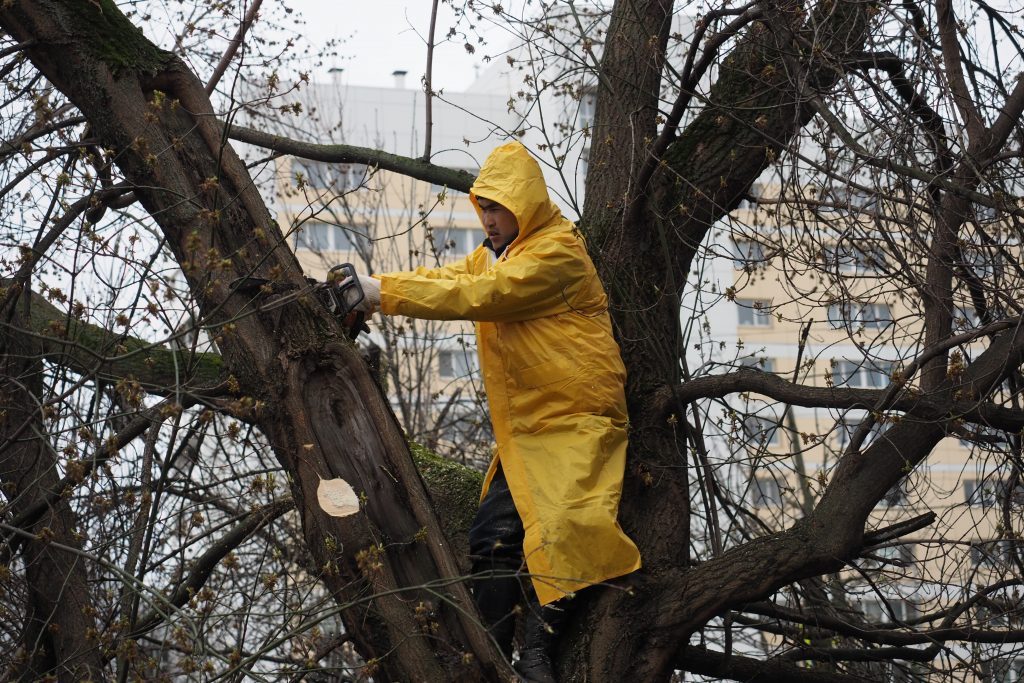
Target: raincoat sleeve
[[443, 273], [535, 283]]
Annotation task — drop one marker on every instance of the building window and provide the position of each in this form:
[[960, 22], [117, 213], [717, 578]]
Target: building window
[[1006, 671], [588, 108], [877, 611], [974, 435], [870, 316], [847, 259], [979, 492], [318, 236], [864, 375], [457, 363], [754, 312], [455, 241], [847, 200], [846, 428], [329, 176], [983, 261], [899, 554], [747, 252], [966, 317], [996, 613], [904, 672], [763, 431], [766, 491], [985, 214], [757, 363], [895, 496], [990, 491], [462, 424], [999, 553]]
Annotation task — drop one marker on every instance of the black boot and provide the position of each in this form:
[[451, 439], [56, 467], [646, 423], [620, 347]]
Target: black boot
[[540, 634], [496, 592]]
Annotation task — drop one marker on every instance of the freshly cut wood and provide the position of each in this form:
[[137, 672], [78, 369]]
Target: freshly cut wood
[[337, 497]]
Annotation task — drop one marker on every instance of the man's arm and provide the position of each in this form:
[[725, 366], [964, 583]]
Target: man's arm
[[440, 273], [537, 282]]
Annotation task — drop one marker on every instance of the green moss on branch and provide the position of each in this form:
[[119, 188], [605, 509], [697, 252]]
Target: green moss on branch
[[92, 350], [114, 39], [455, 490]]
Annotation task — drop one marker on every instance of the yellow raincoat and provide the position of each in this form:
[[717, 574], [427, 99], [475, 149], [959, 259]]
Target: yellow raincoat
[[553, 375]]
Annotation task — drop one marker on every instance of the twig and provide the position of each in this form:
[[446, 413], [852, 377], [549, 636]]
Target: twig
[[428, 82], [229, 54]]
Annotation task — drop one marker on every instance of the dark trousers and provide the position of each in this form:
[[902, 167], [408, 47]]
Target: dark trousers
[[496, 550], [497, 531]]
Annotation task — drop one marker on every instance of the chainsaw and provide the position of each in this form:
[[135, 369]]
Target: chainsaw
[[340, 295]]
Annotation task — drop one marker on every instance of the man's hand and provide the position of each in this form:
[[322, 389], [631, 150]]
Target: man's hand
[[371, 295]]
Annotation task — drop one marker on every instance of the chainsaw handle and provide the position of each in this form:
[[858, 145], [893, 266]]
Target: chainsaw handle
[[342, 291], [355, 322]]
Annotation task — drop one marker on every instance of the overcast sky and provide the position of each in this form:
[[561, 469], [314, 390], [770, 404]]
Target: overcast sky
[[380, 36]]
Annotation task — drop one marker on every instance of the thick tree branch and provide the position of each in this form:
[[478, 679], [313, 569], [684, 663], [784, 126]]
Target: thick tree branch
[[885, 636], [747, 380], [94, 351], [9, 148], [948, 39], [735, 667], [855, 654], [347, 154], [57, 606]]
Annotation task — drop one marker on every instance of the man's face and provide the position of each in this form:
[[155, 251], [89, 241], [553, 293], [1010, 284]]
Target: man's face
[[499, 223]]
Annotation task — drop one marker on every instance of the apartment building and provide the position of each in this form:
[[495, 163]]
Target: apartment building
[[817, 292]]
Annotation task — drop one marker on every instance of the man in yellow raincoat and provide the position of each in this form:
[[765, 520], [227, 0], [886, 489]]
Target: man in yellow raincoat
[[554, 381]]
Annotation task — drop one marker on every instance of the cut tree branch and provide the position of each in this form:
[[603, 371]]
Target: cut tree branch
[[347, 154]]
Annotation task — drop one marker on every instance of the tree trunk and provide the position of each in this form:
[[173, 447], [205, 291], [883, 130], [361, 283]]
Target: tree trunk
[[58, 613], [660, 220]]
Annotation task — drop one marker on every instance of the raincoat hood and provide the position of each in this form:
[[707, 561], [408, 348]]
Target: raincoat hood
[[512, 177]]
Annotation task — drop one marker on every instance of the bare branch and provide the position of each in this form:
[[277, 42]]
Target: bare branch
[[428, 83], [344, 154], [747, 380], [204, 565], [229, 54], [93, 351]]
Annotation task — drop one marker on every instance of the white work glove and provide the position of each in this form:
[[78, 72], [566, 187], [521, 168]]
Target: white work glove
[[371, 295]]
